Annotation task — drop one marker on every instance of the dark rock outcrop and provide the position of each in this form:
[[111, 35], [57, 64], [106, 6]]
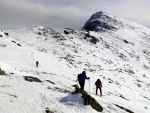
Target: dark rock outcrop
[[69, 31], [7, 34], [2, 72], [98, 26], [129, 111], [32, 79], [88, 100], [100, 21]]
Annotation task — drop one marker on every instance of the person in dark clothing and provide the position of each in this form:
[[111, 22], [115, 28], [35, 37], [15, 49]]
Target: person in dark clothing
[[37, 64], [81, 79], [98, 84]]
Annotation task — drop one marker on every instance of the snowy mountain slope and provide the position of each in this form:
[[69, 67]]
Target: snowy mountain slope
[[119, 57], [57, 78]]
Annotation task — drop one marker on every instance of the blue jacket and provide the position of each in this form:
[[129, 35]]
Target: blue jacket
[[82, 77]]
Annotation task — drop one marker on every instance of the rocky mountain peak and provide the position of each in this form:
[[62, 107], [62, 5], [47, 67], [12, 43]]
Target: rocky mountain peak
[[98, 15], [101, 21]]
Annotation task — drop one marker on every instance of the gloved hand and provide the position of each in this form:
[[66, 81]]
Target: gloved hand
[[88, 78]]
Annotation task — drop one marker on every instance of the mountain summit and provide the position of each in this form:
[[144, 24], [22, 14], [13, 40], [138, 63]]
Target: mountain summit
[[101, 21]]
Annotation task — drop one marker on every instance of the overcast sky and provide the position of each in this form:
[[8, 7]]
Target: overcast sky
[[59, 14]]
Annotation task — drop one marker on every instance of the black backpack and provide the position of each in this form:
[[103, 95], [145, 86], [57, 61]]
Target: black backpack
[[79, 76]]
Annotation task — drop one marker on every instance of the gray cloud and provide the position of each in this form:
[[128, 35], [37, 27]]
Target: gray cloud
[[58, 14]]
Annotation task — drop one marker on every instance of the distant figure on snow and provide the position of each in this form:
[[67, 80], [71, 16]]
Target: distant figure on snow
[[81, 79], [98, 84], [37, 64]]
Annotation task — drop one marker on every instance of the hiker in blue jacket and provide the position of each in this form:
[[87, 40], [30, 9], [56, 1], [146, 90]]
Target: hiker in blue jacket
[[81, 79]]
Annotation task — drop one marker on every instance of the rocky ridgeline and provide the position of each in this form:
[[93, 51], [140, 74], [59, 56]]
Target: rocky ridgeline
[[101, 21], [46, 32]]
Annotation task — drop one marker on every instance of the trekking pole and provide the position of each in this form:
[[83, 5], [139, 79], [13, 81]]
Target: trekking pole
[[89, 86]]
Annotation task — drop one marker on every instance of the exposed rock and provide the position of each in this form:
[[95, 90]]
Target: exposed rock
[[98, 26], [2, 72], [88, 100], [69, 31], [6, 34], [92, 39], [50, 81], [32, 79], [2, 45], [129, 111], [19, 44], [100, 21], [47, 110]]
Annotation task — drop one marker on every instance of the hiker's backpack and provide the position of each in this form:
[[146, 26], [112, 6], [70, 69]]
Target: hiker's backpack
[[79, 77]]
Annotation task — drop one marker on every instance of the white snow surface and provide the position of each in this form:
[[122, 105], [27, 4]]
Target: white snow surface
[[121, 59]]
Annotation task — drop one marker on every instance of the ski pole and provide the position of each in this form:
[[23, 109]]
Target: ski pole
[[89, 85]]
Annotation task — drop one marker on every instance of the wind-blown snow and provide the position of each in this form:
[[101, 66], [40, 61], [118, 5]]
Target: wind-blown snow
[[120, 58]]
